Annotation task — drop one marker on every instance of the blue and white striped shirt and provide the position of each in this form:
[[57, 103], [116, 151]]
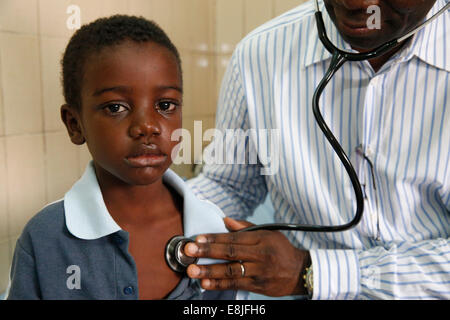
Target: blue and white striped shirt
[[399, 119]]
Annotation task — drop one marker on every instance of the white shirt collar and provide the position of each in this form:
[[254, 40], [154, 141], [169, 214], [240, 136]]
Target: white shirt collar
[[88, 218]]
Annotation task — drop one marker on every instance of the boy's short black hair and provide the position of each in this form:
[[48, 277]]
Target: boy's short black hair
[[101, 33]]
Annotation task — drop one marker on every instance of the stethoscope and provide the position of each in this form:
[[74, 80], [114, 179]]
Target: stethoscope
[[176, 258]]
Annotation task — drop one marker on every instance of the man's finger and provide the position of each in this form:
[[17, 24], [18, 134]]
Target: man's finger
[[235, 225], [228, 251], [244, 238], [228, 284], [222, 270]]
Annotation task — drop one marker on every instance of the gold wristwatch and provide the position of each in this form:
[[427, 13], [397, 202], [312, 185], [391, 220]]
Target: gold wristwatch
[[309, 281]]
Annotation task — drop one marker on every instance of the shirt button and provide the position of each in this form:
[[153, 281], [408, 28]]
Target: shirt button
[[128, 290]]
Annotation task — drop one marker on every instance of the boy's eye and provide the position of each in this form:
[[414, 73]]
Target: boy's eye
[[115, 108], [166, 106]]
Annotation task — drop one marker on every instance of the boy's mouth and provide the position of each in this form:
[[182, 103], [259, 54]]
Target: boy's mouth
[[146, 156]]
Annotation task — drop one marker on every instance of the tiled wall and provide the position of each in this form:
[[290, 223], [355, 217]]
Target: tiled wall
[[37, 161]]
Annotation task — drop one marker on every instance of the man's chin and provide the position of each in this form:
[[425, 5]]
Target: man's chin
[[363, 44]]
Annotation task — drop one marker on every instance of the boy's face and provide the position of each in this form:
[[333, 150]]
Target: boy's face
[[131, 98]]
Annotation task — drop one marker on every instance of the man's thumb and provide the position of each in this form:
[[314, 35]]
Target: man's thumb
[[235, 225]]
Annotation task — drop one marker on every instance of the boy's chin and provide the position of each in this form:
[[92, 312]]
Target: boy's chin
[[145, 176]]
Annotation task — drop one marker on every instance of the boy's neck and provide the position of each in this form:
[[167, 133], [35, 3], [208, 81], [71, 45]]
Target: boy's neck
[[137, 205]]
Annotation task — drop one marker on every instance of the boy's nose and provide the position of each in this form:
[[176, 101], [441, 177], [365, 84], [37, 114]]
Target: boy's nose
[[144, 126]]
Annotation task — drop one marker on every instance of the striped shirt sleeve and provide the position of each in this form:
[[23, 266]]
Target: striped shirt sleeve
[[406, 271], [336, 274], [395, 271]]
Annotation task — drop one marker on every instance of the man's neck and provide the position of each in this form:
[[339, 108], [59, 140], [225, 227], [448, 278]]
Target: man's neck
[[378, 62]]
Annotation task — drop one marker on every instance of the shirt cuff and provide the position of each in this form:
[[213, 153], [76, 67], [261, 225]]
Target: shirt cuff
[[336, 274]]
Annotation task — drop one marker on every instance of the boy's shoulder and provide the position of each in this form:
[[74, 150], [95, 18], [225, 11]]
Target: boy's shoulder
[[47, 222]]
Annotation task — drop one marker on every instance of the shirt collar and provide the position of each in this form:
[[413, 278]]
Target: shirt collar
[[88, 218], [316, 52], [429, 44]]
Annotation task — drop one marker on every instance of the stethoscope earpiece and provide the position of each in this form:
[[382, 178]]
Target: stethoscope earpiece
[[177, 260]]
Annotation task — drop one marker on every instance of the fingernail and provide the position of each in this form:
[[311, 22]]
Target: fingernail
[[194, 271], [201, 239], [191, 248], [206, 283]]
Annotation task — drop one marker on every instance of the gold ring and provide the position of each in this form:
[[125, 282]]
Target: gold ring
[[242, 269]]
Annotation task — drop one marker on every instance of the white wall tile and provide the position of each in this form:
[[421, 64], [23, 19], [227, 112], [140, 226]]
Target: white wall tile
[[181, 21], [5, 263], [183, 170], [204, 84], [201, 29], [52, 50], [54, 14], [12, 245], [53, 17], [2, 119], [282, 6], [26, 179], [257, 12], [221, 67], [19, 16], [83, 158], [159, 11], [19, 55], [186, 64], [141, 8], [229, 25], [162, 14], [62, 164], [199, 97], [3, 191], [111, 7]]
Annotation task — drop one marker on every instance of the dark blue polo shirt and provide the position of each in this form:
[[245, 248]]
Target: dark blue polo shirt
[[73, 249]]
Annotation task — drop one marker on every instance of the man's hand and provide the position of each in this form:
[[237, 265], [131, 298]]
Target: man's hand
[[273, 266]]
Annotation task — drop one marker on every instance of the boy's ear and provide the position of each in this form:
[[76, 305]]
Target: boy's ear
[[71, 119]]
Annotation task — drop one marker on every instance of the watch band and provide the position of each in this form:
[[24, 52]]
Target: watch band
[[309, 280]]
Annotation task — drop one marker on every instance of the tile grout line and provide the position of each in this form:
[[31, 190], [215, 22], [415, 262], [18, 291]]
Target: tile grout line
[[4, 159], [41, 84], [8, 238]]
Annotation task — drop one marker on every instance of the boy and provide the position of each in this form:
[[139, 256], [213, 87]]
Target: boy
[[105, 240]]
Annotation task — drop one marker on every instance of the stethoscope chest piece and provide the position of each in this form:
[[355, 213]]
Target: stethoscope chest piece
[[177, 260]]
